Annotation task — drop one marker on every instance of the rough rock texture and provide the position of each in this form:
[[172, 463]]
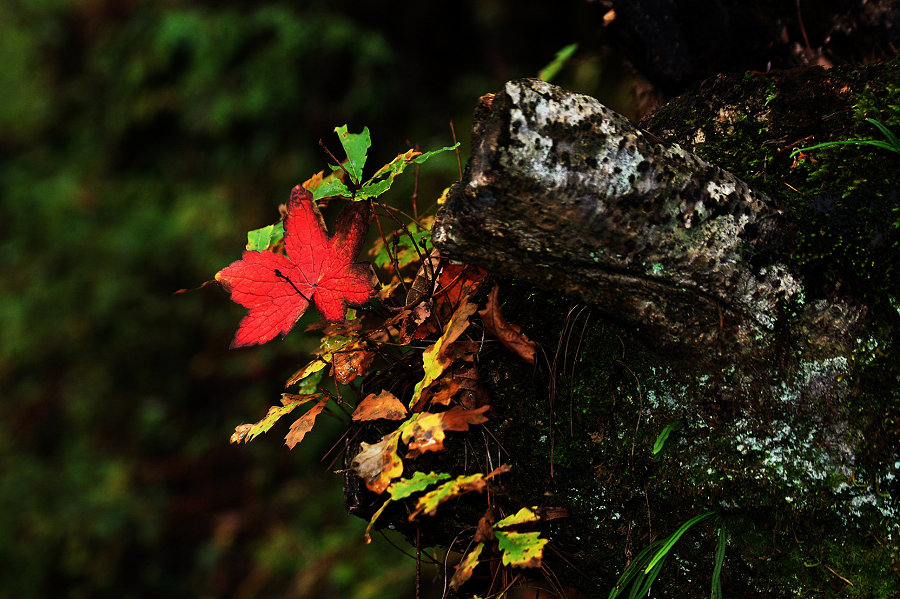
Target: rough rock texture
[[759, 331], [565, 193]]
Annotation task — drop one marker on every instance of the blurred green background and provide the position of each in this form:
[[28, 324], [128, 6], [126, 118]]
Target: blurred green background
[[139, 141]]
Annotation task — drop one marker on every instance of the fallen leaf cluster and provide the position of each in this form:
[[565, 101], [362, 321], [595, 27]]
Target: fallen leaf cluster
[[413, 348]]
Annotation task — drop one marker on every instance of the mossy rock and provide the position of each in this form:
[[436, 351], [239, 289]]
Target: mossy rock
[[792, 442]]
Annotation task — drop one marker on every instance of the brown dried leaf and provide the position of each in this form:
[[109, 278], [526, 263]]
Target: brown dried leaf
[[484, 533], [456, 282], [442, 391], [351, 361], [460, 382], [510, 335], [385, 406], [412, 323], [304, 424]]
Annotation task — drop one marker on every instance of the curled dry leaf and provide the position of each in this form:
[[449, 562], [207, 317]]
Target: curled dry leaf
[[378, 464], [412, 323], [421, 283], [304, 424], [510, 335], [384, 406], [484, 532]]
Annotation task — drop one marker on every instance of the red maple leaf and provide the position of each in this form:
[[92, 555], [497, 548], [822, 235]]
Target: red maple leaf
[[279, 288]]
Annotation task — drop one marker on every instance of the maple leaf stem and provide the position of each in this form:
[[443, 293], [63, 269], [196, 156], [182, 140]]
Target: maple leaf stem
[[281, 275]]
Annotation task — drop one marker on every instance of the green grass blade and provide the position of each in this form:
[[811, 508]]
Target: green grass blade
[[661, 439], [888, 134], [674, 539], [632, 570], [550, 71], [716, 592], [644, 590], [879, 144]]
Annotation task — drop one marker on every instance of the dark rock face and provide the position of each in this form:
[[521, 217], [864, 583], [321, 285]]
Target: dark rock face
[[670, 296]]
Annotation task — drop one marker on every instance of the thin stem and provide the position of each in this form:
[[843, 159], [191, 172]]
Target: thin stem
[[281, 275], [458, 161], [353, 184]]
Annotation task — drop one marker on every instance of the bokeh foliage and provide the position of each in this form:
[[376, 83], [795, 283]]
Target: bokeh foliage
[[139, 141]]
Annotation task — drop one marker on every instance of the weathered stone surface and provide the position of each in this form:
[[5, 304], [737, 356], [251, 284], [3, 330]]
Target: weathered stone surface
[[565, 193], [693, 305]]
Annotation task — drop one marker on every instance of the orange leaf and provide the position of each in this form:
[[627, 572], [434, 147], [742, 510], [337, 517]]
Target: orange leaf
[[425, 431], [459, 419], [382, 406], [510, 335], [304, 424], [442, 391], [460, 382], [378, 464]]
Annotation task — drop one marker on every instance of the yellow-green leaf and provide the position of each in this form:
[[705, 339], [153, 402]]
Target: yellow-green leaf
[[429, 502], [402, 489], [523, 549], [246, 432], [466, 567], [520, 517]]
